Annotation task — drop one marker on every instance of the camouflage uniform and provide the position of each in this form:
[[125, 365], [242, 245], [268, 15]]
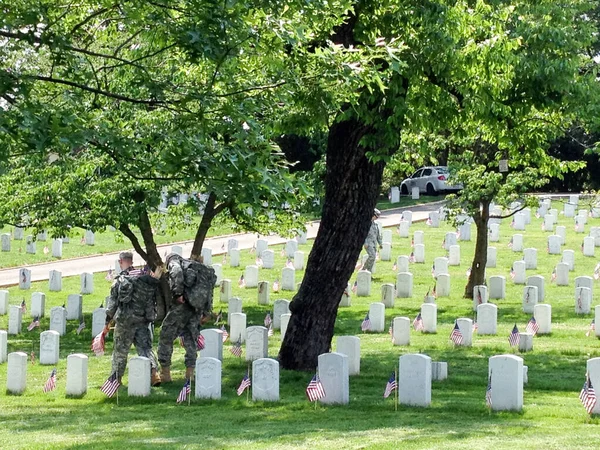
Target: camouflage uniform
[[133, 319], [373, 239], [195, 282]]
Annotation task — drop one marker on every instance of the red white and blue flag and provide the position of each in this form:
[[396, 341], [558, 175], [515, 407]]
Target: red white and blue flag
[[245, 384], [51, 382], [391, 386], [315, 390], [514, 337], [185, 391]]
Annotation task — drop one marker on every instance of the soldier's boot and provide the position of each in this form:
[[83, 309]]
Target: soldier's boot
[[165, 374], [189, 373], [155, 378]]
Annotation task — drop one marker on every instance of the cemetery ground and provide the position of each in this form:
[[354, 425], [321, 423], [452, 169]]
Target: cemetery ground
[[552, 416]]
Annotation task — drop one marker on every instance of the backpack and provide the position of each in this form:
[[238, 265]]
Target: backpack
[[199, 281], [136, 295]]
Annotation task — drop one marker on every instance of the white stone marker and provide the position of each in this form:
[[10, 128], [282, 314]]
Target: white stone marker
[[429, 316], [279, 307], [264, 292], [3, 346], [218, 268], [414, 380], [402, 263], [449, 240], [291, 246], [139, 377], [18, 233], [377, 317], [439, 371], [386, 236], [268, 259], [225, 291], [403, 229], [251, 276], [77, 373], [568, 257], [525, 342], [506, 372], [593, 369], [543, 317], [302, 237], [464, 231], [3, 302], [38, 305], [89, 237], [74, 307], [583, 300], [527, 212], [257, 343], [57, 248], [465, 326], [16, 373], [497, 287], [237, 331], [265, 380], [554, 243], [55, 281], [582, 215], [414, 193], [206, 255], [15, 318], [492, 256], [442, 285], [388, 293], [98, 321], [548, 224], [5, 238], [519, 274], [530, 258], [87, 283], [350, 346], [394, 194], [530, 298], [346, 301], [232, 243], [177, 249], [333, 373], [58, 320], [539, 281], [454, 255], [30, 246], [213, 343], [569, 209], [401, 331], [494, 232], [288, 279], [418, 237], [434, 219], [261, 246], [561, 232], [49, 347], [480, 295], [589, 246], [299, 260], [408, 216], [419, 253], [441, 265], [386, 252], [404, 285], [208, 378], [234, 257], [363, 286], [562, 274], [24, 278], [285, 320], [487, 319], [519, 221], [234, 305]]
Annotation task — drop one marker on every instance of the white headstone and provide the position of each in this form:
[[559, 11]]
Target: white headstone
[[449, 240], [582, 216], [57, 247], [377, 317], [18, 233], [562, 274], [543, 318], [548, 224], [98, 321], [177, 249], [299, 260], [480, 295], [434, 219], [494, 232], [596, 320], [527, 213], [429, 316], [87, 283], [234, 306], [89, 237], [408, 216], [234, 257], [589, 245], [263, 292], [237, 331], [454, 255], [139, 377], [583, 300], [517, 243], [402, 263], [403, 228], [530, 258], [464, 232], [218, 268], [394, 194], [492, 254], [561, 232], [302, 237], [16, 373], [487, 319], [569, 209], [30, 246], [442, 285], [285, 320], [15, 318], [465, 326], [24, 278], [497, 287], [568, 257], [518, 274], [213, 343], [388, 292], [225, 291], [350, 346], [268, 259], [519, 221], [554, 243], [538, 280], [288, 279], [279, 307], [74, 307], [58, 320], [208, 378], [3, 302], [414, 193], [530, 298], [346, 301], [265, 380], [206, 255], [77, 373], [5, 238], [257, 344], [506, 372], [3, 346], [386, 236], [291, 246], [363, 283], [333, 373], [414, 380], [231, 243], [386, 252], [440, 265], [55, 281], [525, 342], [419, 253], [593, 370], [49, 347], [439, 371], [401, 331], [585, 281], [404, 285], [261, 246], [251, 276], [38, 304]]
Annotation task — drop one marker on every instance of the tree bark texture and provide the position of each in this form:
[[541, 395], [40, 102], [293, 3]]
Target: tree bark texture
[[207, 217], [351, 187], [477, 276]]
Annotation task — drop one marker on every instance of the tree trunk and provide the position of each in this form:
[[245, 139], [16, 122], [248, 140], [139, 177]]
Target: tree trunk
[[207, 217], [477, 276], [351, 187]]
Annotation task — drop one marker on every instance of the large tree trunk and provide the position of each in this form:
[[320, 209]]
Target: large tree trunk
[[477, 276], [351, 187], [207, 217]]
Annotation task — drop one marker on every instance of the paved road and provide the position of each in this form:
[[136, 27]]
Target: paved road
[[101, 263]]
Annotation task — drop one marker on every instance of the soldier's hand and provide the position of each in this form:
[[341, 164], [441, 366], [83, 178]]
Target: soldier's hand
[[205, 318], [157, 273], [106, 328], [180, 300]]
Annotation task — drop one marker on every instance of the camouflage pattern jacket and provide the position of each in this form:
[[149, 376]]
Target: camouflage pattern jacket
[[192, 279], [132, 297]]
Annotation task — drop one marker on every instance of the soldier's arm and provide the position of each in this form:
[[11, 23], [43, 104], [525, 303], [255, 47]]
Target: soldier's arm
[[112, 304]]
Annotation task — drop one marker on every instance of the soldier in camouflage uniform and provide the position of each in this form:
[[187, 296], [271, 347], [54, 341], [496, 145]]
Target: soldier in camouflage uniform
[[373, 240], [132, 305], [192, 285]]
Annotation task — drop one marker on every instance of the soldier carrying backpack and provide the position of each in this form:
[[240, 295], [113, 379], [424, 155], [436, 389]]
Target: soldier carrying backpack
[[192, 284]]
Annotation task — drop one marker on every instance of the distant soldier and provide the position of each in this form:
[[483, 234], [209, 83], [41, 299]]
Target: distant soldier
[[192, 284], [373, 240], [132, 305]]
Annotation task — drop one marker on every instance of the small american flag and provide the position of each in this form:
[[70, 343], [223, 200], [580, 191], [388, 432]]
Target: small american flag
[[553, 276], [242, 282], [479, 296], [512, 273], [245, 384], [444, 243], [109, 275], [80, 327], [23, 307], [223, 247], [268, 320], [34, 323], [32, 357], [412, 242], [434, 291], [488, 393], [355, 287], [512, 223], [532, 326], [510, 244], [592, 327], [514, 337], [270, 331], [390, 386], [395, 267], [366, 323], [219, 317], [236, 350], [588, 395], [200, 342], [283, 251], [468, 272], [433, 270], [46, 251], [258, 261], [51, 382], [475, 326], [185, 391], [315, 390], [225, 334], [98, 344], [429, 222], [411, 258], [418, 323], [289, 264], [543, 226], [276, 285], [111, 385], [456, 336]]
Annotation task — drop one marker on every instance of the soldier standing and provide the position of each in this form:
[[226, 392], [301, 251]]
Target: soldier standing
[[373, 240], [191, 285], [132, 305]]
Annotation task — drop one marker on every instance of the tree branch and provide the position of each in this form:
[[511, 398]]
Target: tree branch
[[124, 228]]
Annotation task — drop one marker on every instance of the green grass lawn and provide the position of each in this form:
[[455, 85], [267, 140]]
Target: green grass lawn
[[552, 416]]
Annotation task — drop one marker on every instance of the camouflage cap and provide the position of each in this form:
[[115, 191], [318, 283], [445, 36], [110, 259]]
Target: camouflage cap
[[126, 255]]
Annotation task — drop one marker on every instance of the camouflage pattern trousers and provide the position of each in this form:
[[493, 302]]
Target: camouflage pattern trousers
[[129, 332], [372, 254], [184, 321]]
